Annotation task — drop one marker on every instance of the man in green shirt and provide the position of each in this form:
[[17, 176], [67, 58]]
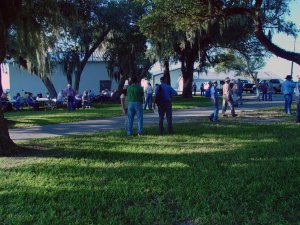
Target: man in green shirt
[[135, 95]]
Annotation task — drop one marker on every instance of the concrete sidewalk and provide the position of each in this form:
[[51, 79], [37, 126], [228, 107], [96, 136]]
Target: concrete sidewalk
[[89, 126]]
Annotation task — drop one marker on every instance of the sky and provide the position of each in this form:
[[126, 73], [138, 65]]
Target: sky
[[281, 66]]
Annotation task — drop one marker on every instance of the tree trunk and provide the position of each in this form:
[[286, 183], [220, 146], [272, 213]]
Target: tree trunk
[[166, 66], [86, 58], [188, 78], [7, 146], [1, 88], [50, 87]]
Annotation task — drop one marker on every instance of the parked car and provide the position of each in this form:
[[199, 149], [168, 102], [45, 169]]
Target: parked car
[[249, 87], [276, 84]]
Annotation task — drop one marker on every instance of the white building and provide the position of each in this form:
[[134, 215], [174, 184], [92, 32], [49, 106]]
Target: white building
[[15, 79]]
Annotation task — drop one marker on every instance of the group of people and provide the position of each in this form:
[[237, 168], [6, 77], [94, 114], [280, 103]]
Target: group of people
[[265, 91], [132, 98], [75, 100], [202, 90], [232, 92]]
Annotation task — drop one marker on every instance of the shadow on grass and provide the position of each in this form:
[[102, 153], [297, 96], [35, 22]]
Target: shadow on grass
[[204, 174]]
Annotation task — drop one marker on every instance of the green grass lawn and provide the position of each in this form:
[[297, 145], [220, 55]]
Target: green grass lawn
[[32, 118], [230, 173]]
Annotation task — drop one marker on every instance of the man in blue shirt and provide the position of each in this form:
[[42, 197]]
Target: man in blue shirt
[[287, 89], [163, 95]]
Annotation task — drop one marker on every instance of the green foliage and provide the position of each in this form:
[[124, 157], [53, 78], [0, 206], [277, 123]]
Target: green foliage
[[229, 173]]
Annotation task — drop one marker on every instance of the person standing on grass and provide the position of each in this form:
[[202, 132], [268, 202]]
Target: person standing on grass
[[297, 92], [135, 95], [194, 88], [70, 93], [163, 95], [227, 98], [287, 89], [202, 91], [270, 91], [149, 97], [215, 100], [240, 89], [124, 104]]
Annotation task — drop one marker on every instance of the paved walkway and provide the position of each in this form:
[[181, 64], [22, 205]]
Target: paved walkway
[[89, 126]]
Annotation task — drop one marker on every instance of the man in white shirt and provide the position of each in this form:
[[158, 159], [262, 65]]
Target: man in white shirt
[[227, 98], [149, 97]]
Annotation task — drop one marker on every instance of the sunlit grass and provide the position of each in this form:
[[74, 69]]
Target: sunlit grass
[[31, 118], [230, 173]]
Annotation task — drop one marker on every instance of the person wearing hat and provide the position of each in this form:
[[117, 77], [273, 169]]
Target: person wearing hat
[[227, 98], [135, 95], [215, 100], [287, 89], [70, 93], [297, 92], [163, 95]]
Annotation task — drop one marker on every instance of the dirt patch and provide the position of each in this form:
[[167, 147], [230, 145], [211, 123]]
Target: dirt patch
[[262, 116]]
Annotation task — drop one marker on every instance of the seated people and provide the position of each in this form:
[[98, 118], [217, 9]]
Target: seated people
[[4, 103], [91, 95], [85, 100], [17, 102], [60, 98], [32, 102], [77, 102]]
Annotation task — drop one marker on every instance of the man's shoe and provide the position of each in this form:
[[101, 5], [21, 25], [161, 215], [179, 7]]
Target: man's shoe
[[234, 115], [140, 134], [224, 115], [210, 118]]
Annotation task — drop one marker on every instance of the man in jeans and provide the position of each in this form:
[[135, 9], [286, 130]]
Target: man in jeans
[[70, 93], [297, 91], [240, 89], [215, 100], [164, 93], [149, 93], [227, 98], [135, 95], [287, 89]]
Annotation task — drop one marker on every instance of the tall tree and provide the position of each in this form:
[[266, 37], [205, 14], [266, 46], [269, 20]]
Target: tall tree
[[126, 50], [27, 18], [86, 26]]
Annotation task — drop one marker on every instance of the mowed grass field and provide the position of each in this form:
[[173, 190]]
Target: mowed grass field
[[32, 118], [229, 173]]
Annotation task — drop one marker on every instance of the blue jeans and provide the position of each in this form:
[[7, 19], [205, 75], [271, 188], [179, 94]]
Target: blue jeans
[[71, 103], [135, 108], [288, 99], [270, 96], [165, 108], [148, 102], [298, 110], [214, 115], [240, 96]]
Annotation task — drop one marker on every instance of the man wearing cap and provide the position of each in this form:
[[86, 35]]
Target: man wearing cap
[[215, 100], [287, 89], [70, 93], [135, 95], [164, 93], [227, 98], [297, 92]]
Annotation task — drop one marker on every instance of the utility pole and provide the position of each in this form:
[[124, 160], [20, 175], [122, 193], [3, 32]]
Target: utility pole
[[292, 66]]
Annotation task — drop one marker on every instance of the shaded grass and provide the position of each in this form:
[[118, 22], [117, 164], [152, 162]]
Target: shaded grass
[[32, 118], [230, 173]]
